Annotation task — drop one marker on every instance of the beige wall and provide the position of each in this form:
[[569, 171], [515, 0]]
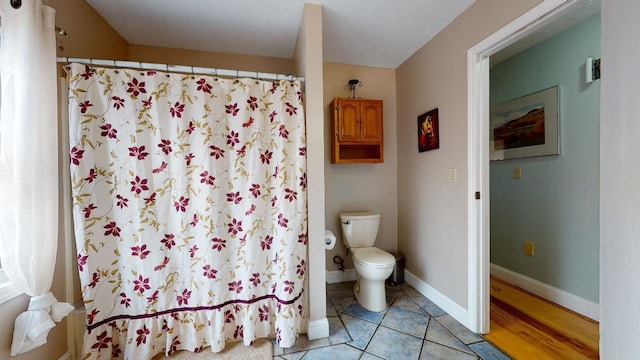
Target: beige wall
[[432, 226], [362, 187], [89, 34], [210, 59], [308, 62]]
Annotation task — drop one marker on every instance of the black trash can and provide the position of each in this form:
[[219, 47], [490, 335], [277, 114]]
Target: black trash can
[[397, 276]]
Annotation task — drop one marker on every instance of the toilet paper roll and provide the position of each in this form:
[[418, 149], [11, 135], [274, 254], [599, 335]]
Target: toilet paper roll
[[329, 240]]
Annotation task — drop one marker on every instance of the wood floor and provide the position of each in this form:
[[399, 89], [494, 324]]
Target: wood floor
[[525, 326]]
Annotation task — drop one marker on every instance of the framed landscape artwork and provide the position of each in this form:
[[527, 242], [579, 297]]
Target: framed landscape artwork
[[526, 126], [428, 136]]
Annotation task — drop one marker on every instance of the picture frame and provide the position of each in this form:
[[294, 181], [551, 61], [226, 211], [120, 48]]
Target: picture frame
[[526, 127], [428, 131]]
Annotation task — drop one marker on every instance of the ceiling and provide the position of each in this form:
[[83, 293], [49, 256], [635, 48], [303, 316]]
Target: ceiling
[[377, 33], [555, 24]]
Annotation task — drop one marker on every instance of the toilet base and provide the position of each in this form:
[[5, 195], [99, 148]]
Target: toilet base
[[371, 294]]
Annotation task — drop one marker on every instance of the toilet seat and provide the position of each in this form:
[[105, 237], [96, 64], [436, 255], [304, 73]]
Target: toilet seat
[[373, 257]]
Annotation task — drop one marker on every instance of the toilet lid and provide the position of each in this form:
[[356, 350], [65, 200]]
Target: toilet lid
[[374, 257]]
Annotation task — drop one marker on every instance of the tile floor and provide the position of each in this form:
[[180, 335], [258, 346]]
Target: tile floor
[[411, 328]]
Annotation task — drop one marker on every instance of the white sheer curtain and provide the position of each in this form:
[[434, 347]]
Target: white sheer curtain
[[29, 166]]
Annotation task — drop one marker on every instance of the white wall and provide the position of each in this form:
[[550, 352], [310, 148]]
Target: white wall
[[619, 185]]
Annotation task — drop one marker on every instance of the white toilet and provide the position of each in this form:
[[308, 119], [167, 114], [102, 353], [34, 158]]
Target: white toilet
[[373, 266]]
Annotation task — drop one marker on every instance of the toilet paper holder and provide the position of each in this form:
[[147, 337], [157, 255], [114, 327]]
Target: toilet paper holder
[[329, 240]]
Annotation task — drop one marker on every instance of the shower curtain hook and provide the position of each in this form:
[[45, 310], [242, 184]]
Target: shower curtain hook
[[192, 70], [237, 74], [167, 67]]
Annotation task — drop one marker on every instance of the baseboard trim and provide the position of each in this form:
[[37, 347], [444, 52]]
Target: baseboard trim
[[318, 329], [337, 276], [65, 356], [451, 307], [553, 294]]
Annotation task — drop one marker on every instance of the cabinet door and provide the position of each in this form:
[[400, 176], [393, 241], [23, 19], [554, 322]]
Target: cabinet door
[[348, 120], [371, 112]]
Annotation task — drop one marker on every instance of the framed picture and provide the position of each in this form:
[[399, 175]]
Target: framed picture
[[526, 126], [428, 137]]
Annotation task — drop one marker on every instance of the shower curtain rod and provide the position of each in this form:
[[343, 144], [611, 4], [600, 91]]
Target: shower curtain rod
[[181, 69]]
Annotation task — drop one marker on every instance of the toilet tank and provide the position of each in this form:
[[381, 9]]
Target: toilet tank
[[359, 229]]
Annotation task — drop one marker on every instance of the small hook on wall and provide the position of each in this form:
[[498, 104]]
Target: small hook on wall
[[61, 32]]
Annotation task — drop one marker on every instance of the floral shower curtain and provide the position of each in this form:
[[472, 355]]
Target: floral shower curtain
[[190, 209]]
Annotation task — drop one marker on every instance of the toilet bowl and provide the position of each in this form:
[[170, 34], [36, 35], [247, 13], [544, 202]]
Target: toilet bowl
[[373, 265]]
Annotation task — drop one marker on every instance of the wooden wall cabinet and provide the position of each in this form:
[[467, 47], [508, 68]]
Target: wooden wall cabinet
[[356, 131]]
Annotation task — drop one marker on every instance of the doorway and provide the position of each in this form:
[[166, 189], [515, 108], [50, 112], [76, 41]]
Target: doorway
[[478, 140]]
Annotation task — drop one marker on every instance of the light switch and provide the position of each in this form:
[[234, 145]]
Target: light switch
[[451, 175], [517, 173]]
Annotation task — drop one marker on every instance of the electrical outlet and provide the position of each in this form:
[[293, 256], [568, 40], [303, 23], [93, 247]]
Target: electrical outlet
[[529, 248], [517, 173]]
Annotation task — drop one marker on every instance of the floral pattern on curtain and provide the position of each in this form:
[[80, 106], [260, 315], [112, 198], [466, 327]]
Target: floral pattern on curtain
[[190, 209]]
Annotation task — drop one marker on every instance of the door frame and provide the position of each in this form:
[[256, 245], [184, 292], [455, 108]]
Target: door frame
[[478, 150]]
